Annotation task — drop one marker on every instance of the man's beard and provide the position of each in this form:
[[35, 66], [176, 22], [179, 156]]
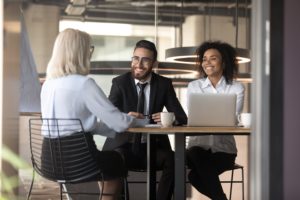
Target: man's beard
[[143, 77]]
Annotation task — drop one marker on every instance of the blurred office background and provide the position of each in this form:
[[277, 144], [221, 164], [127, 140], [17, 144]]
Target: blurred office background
[[116, 25]]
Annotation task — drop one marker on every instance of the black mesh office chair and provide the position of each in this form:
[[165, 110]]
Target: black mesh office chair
[[63, 161]]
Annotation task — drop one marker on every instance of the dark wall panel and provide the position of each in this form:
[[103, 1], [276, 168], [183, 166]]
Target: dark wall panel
[[291, 139]]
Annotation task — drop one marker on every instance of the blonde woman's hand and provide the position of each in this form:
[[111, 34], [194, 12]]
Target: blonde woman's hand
[[136, 115]]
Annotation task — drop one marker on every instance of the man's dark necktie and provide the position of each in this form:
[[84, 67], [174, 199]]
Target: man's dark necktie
[[140, 109]]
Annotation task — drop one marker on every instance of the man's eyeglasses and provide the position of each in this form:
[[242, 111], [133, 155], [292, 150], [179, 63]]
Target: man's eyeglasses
[[144, 60]]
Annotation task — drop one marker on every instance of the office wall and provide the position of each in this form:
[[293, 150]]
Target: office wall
[[285, 98], [291, 98], [42, 27], [9, 92]]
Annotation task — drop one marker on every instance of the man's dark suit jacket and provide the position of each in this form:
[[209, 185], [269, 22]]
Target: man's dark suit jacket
[[123, 95]]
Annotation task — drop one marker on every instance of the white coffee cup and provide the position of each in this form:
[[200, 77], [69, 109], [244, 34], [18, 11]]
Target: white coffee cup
[[245, 119], [167, 119]]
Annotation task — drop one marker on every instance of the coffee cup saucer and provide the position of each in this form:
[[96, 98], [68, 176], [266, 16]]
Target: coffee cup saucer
[[153, 125]]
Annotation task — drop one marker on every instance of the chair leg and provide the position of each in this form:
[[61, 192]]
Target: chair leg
[[66, 192], [231, 182], [31, 185], [243, 192], [60, 191], [101, 187], [126, 189]]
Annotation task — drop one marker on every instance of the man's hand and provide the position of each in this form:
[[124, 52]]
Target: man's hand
[[156, 117]]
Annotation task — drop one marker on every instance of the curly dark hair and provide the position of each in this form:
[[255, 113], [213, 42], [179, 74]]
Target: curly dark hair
[[147, 45], [228, 53]]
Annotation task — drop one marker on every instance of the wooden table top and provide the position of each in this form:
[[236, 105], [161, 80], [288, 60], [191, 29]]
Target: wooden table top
[[189, 129]]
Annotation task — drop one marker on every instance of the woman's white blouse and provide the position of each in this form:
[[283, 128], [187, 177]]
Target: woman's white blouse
[[77, 96], [216, 143]]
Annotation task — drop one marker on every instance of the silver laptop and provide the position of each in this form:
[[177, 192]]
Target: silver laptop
[[212, 109]]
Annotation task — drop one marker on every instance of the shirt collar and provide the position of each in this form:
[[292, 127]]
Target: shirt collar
[[207, 83], [147, 81]]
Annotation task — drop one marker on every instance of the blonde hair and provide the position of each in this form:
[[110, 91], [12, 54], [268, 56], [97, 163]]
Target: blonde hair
[[70, 55]]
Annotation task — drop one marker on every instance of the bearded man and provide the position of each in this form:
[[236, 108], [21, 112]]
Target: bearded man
[[156, 93]]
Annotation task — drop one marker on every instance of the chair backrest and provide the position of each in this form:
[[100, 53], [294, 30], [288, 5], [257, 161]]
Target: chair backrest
[[61, 150]]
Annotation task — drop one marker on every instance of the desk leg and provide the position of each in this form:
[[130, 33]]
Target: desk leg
[[179, 191], [151, 166]]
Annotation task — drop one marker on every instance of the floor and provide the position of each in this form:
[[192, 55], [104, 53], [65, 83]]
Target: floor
[[137, 191], [48, 190], [42, 189]]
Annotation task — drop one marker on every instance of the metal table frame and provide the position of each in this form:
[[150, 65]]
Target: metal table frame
[[180, 133]]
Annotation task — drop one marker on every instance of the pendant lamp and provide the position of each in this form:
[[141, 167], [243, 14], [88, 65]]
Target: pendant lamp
[[186, 55]]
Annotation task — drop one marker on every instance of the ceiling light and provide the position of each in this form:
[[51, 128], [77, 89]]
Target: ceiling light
[[77, 7], [120, 67], [74, 10], [187, 55]]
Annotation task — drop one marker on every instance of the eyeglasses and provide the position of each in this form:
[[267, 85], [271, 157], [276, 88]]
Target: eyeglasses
[[144, 60]]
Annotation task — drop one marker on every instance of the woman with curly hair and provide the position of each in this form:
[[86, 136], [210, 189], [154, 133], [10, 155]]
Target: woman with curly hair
[[209, 156]]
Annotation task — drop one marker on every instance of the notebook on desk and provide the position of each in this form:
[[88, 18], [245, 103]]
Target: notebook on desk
[[212, 109]]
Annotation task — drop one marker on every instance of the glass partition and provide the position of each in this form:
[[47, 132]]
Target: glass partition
[[116, 25]]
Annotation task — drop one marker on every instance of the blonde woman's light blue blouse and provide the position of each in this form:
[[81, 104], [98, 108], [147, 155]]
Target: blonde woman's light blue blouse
[[77, 96]]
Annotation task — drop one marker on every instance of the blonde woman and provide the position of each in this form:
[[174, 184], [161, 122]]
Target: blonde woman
[[69, 93]]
